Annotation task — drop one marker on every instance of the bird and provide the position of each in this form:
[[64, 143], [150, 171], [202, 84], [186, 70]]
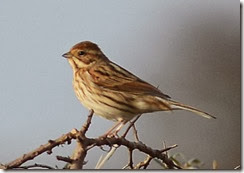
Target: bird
[[113, 92]]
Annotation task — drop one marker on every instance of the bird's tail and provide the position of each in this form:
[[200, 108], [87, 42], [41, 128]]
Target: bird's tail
[[176, 106]]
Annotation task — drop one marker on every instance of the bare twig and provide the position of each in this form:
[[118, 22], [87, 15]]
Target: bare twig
[[65, 159], [80, 151], [130, 162], [113, 131], [134, 145], [43, 148], [131, 124], [107, 157], [105, 150], [135, 133], [164, 145], [50, 145], [90, 147], [144, 163], [130, 158], [169, 148], [87, 124], [36, 166], [84, 144], [99, 161]]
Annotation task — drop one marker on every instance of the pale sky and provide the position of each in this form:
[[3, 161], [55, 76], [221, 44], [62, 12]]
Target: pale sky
[[190, 49]]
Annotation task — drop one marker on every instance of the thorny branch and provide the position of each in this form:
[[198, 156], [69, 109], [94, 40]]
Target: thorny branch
[[131, 125], [43, 148], [144, 163], [135, 133], [65, 159], [130, 163], [36, 166], [81, 146], [77, 160]]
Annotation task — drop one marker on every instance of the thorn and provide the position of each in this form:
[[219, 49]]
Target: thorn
[[50, 141], [49, 152]]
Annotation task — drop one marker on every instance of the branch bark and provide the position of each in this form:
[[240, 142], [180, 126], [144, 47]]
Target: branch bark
[[81, 146], [84, 144], [43, 148]]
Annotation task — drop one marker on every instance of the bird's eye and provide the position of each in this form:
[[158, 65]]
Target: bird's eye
[[81, 53]]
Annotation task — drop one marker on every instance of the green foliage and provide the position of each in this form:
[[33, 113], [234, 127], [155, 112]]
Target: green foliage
[[180, 160]]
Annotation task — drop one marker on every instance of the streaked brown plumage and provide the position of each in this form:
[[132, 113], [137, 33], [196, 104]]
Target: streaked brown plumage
[[113, 92]]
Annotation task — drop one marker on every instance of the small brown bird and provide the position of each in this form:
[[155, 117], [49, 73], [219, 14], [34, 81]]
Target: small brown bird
[[113, 92]]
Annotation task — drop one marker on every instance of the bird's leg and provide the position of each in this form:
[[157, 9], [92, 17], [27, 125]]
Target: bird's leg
[[110, 131], [115, 133]]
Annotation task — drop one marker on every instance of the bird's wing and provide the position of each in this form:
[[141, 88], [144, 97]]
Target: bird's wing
[[113, 77]]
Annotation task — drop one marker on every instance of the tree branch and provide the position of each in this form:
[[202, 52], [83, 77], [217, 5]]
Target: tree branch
[[81, 146], [36, 166], [65, 159], [131, 124], [43, 148], [134, 145], [130, 162], [84, 144], [144, 163]]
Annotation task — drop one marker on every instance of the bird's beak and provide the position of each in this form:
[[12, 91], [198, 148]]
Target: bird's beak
[[67, 55]]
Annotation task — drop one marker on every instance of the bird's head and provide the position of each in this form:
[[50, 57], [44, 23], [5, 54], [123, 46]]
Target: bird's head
[[84, 54]]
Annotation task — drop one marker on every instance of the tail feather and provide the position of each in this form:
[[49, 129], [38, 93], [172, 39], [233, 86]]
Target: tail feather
[[176, 105]]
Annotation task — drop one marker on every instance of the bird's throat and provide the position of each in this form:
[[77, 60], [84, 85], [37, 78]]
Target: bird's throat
[[73, 64]]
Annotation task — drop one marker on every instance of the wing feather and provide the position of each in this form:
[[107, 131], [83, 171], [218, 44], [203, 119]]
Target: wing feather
[[113, 77]]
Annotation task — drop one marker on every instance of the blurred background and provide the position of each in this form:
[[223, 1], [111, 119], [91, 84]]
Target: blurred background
[[190, 49]]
